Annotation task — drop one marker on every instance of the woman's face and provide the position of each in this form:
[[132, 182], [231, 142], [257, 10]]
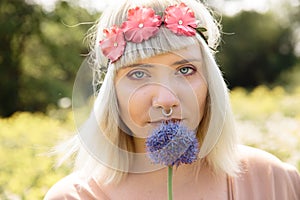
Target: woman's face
[[171, 80]]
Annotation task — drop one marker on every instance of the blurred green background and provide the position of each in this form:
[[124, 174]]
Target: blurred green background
[[42, 49]]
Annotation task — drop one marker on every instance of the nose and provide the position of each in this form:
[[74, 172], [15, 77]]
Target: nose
[[164, 98]]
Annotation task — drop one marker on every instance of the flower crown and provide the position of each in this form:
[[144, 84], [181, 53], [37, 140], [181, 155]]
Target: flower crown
[[143, 23]]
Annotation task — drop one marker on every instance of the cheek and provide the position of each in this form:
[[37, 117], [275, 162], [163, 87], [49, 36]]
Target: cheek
[[201, 98], [139, 104], [134, 105], [197, 106]]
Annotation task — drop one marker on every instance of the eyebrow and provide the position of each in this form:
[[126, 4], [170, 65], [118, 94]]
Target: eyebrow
[[184, 61], [138, 65], [179, 62]]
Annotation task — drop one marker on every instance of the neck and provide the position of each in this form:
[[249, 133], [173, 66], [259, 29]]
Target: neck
[[139, 145]]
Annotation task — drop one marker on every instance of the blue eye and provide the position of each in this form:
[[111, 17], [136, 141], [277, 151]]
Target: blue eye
[[186, 70], [137, 75]]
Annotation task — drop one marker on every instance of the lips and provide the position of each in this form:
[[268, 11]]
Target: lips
[[165, 120]]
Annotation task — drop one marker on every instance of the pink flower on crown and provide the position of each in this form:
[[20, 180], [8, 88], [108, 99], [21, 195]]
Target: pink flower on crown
[[180, 19], [142, 24], [114, 44]]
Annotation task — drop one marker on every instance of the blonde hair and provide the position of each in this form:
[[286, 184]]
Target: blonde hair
[[103, 149]]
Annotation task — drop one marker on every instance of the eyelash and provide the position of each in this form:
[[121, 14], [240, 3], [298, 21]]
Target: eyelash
[[189, 67], [191, 70], [133, 74]]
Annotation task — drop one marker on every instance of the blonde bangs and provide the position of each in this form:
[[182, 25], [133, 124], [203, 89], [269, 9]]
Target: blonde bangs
[[163, 42]]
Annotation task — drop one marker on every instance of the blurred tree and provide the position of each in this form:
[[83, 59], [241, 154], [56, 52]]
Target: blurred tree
[[256, 48], [40, 54], [52, 59], [18, 21], [290, 78]]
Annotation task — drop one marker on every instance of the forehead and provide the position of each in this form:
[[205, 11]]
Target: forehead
[[190, 53]]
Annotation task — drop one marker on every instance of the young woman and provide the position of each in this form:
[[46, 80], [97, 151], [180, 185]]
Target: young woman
[[158, 58]]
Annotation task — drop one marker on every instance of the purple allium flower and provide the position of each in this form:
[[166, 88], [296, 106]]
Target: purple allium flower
[[172, 144]]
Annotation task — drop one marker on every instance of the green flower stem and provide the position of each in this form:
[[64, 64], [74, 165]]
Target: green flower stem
[[170, 183]]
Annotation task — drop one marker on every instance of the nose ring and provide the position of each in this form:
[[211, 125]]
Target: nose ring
[[165, 114]]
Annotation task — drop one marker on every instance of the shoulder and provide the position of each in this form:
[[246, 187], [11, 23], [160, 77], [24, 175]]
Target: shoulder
[[73, 187], [64, 188], [265, 173], [253, 158]]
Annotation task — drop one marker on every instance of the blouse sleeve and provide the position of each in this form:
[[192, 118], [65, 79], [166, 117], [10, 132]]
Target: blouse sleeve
[[63, 189], [73, 187], [264, 176], [294, 182]]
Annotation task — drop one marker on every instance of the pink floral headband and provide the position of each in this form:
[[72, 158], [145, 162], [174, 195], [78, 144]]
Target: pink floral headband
[[143, 23]]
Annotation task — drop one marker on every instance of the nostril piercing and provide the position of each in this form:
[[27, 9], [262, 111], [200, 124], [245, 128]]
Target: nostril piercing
[[167, 114]]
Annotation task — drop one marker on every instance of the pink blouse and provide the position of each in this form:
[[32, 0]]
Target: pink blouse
[[263, 177]]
